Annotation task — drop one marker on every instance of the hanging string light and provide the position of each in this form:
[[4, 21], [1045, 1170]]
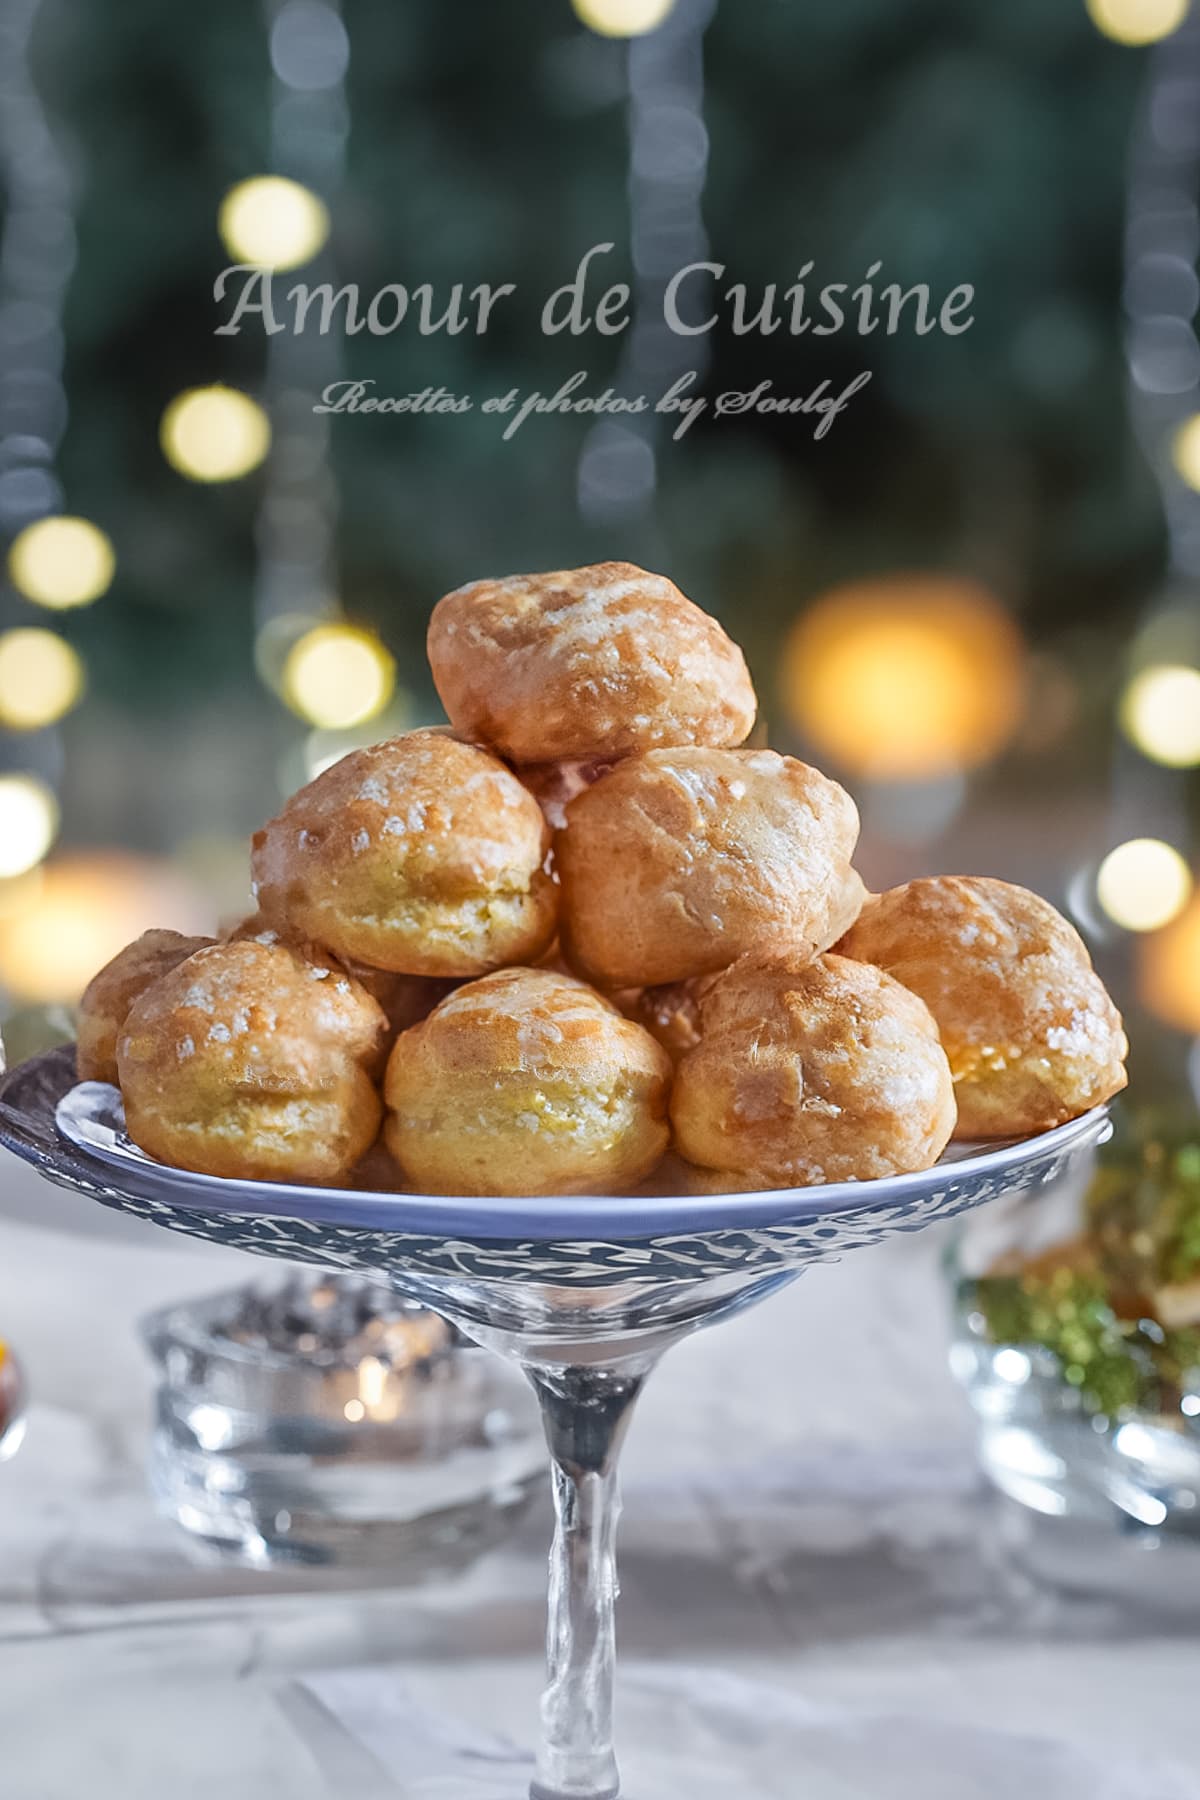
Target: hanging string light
[[1137, 21], [37, 256], [53, 559], [62, 562], [28, 823], [1145, 885], [1160, 713], [1161, 290], [41, 678], [622, 18], [1185, 451], [214, 434], [668, 163], [338, 676], [330, 673], [273, 222]]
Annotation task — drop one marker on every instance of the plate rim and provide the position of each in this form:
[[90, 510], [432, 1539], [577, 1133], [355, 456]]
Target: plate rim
[[557, 1218]]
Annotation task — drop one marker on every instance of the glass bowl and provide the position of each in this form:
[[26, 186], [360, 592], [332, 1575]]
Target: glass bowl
[[1094, 1447]]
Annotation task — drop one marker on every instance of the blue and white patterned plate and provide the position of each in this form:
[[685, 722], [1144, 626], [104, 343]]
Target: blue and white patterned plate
[[92, 1117], [74, 1135]]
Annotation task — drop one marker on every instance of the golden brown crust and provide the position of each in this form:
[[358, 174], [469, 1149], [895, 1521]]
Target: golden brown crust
[[420, 856], [679, 861], [405, 999], [1032, 1036], [593, 662], [112, 991], [829, 1071], [249, 1061], [526, 1082]]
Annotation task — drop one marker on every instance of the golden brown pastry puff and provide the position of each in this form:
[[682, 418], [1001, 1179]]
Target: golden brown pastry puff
[[111, 992], [1032, 1036], [526, 1082], [583, 663], [405, 999], [248, 1060], [423, 856], [826, 1071], [679, 861]]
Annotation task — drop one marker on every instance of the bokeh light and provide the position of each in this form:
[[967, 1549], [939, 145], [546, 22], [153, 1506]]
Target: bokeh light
[[18, 892], [274, 642], [28, 823], [623, 18], [41, 678], [336, 676], [87, 907], [906, 678], [214, 434], [1143, 884], [1160, 713], [1185, 451], [62, 562], [273, 222], [1169, 970], [310, 49], [1137, 21]]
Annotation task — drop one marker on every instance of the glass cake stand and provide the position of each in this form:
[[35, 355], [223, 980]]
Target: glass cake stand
[[584, 1293]]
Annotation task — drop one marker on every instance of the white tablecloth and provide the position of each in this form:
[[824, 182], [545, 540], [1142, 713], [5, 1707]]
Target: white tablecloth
[[801, 1509]]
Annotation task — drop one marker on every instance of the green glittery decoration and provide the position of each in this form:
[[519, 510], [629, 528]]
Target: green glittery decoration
[[1106, 1358], [1095, 1310]]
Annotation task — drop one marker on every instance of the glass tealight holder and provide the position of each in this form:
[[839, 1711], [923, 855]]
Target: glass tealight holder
[[326, 1422]]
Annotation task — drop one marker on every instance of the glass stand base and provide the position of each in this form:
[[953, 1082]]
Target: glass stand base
[[693, 1734]]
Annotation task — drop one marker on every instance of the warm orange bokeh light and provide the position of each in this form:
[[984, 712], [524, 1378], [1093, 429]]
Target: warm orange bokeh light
[[83, 909], [906, 677], [1169, 970]]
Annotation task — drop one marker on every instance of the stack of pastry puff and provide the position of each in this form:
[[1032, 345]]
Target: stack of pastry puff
[[535, 951]]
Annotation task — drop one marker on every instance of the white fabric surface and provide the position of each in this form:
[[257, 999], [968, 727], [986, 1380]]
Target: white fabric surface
[[706, 1735], [800, 1512]]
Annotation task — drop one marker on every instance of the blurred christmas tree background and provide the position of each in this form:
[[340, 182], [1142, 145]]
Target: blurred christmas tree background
[[953, 142], [992, 485]]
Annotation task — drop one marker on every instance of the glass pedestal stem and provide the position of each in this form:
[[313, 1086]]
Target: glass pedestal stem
[[585, 1410]]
